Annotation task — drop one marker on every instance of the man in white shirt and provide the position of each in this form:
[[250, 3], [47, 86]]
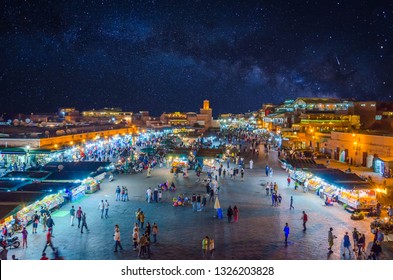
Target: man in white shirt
[[101, 207], [116, 237], [149, 192], [106, 207]]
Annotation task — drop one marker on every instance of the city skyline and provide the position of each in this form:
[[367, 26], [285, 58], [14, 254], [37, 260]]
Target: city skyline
[[161, 56]]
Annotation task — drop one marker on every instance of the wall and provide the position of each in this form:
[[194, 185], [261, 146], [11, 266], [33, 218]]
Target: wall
[[357, 144], [65, 139]]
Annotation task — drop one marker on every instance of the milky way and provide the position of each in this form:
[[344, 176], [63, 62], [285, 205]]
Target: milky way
[[170, 55]]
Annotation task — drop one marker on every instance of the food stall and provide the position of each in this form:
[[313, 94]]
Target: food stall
[[208, 165], [76, 193], [301, 175], [179, 165], [49, 202], [91, 185], [346, 188], [358, 198]]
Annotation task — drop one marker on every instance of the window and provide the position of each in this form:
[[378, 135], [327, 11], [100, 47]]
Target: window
[[378, 117]]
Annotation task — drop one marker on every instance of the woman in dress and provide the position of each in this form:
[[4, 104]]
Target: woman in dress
[[235, 214]]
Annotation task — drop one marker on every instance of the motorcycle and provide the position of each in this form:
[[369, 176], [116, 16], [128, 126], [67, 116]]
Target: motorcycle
[[10, 242]]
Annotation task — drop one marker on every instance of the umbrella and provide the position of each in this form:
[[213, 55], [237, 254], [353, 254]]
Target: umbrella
[[218, 208], [217, 204]]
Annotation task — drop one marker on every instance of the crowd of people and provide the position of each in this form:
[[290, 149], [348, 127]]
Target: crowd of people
[[245, 145]]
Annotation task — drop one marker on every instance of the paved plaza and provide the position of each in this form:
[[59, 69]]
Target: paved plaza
[[257, 235]]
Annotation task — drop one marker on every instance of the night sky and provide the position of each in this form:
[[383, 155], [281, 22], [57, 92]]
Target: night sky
[[170, 55]]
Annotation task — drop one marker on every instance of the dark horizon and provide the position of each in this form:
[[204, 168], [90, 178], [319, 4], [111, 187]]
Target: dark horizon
[[170, 55]]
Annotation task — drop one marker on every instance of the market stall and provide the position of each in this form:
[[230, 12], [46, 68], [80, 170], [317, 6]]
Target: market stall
[[49, 202], [337, 186], [358, 198], [76, 193], [179, 165], [67, 190], [208, 165], [91, 185]]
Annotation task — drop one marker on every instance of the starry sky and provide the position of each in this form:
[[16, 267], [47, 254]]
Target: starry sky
[[167, 55]]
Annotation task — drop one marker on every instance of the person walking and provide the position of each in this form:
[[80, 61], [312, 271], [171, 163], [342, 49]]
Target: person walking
[[118, 193], [138, 218], [142, 246], [36, 219], [203, 203], [199, 201], [291, 204], [286, 233], [155, 232], [79, 213], [43, 221], [273, 198], [50, 224], [24, 237], [147, 245], [211, 197], [331, 238], [101, 208], [211, 248], [148, 228], [305, 219], [148, 195], [235, 214], [141, 219], [122, 194], [72, 215], [135, 238], [362, 243], [289, 180], [84, 223], [376, 250], [355, 236], [242, 174], [205, 247], [229, 214], [48, 241], [347, 244], [4, 253], [106, 207], [126, 194], [194, 202], [116, 238]]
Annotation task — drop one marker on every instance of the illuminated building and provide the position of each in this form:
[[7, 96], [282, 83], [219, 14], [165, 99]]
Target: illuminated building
[[107, 115], [203, 119]]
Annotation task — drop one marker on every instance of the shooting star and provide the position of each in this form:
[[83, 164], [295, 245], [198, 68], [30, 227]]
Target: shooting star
[[338, 61]]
